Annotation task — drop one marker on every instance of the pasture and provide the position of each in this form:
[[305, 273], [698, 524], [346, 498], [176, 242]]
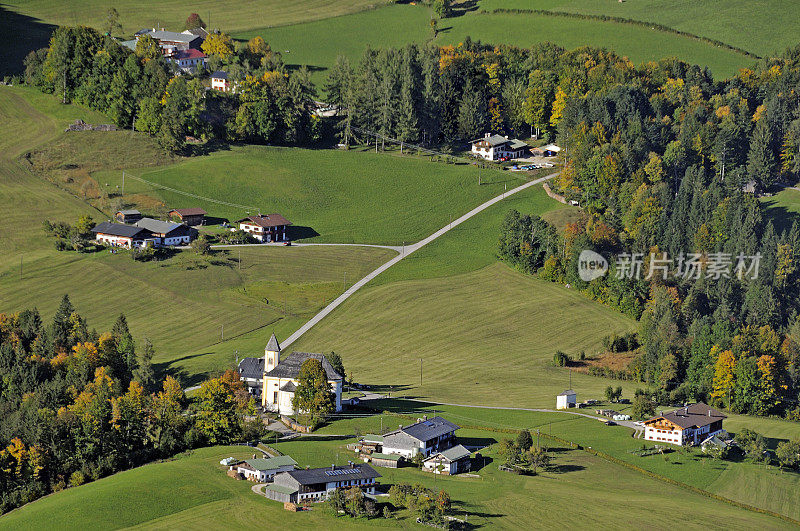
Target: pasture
[[192, 491], [329, 195], [741, 23], [318, 43]]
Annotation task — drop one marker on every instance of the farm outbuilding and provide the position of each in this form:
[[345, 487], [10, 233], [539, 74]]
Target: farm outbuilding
[[566, 400]]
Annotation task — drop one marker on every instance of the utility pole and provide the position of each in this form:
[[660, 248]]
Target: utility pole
[[420, 372], [20, 268], [240, 259], [222, 333], [344, 282], [123, 183]]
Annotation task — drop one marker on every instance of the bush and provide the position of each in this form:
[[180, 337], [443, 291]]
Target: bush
[[77, 478], [560, 359], [201, 246]]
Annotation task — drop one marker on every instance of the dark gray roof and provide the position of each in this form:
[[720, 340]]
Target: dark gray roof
[[289, 367], [335, 473], [118, 229], [289, 387], [252, 368], [160, 227], [132, 212], [695, 415], [568, 392], [426, 430], [272, 344], [453, 454], [163, 35], [219, 74]]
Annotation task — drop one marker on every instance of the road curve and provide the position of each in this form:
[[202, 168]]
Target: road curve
[[407, 251]]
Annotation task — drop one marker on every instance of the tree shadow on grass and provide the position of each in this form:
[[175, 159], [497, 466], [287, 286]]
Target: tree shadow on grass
[[162, 369], [20, 34]]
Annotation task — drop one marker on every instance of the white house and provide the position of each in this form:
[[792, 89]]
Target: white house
[[219, 81], [451, 461], [263, 470], [166, 233], [314, 485], [265, 227], [495, 147], [689, 425], [427, 436], [566, 400], [119, 235], [279, 379]]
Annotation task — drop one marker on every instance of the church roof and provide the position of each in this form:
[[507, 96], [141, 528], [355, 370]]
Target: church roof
[[289, 367], [273, 345]]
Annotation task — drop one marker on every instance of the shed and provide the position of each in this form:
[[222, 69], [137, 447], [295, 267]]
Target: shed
[[264, 469], [384, 460], [566, 400], [189, 216], [128, 216]]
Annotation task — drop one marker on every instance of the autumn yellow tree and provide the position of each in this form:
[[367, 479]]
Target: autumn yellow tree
[[769, 389], [559, 104], [724, 378], [219, 45]]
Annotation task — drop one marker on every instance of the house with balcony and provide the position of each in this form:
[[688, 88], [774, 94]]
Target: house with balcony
[[687, 426], [497, 147], [314, 484], [426, 437]]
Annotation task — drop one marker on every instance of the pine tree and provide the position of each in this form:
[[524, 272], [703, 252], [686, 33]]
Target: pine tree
[[762, 164], [144, 373], [61, 324], [472, 113]]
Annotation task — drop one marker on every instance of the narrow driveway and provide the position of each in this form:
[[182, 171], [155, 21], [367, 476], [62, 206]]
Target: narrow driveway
[[407, 251]]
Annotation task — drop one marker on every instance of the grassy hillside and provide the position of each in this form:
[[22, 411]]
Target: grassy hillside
[[229, 15], [318, 43], [344, 196], [192, 492], [183, 304], [742, 23]]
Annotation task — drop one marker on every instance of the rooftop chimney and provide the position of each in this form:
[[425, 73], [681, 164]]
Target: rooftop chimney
[[333, 467]]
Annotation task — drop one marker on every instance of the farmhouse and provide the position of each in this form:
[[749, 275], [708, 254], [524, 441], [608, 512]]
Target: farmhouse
[[275, 379], [166, 233], [188, 60], [119, 235], [566, 400], [426, 437], [265, 228], [128, 216], [495, 147], [263, 470], [170, 42], [189, 216], [219, 81], [314, 484], [451, 461], [688, 425]]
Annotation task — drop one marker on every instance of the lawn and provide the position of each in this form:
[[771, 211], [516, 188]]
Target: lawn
[[184, 304], [318, 43], [782, 208], [192, 492], [341, 196], [27, 24], [741, 23], [741, 481], [493, 331]]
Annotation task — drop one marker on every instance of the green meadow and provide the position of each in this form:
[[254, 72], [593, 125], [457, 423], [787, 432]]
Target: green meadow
[[741, 23], [192, 491], [318, 43]]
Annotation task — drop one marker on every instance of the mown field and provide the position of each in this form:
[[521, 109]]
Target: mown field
[[748, 25], [182, 304], [318, 43], [339, 196], [192, 492]]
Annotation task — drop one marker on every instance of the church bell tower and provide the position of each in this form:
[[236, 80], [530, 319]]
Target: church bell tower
[[272, 354]]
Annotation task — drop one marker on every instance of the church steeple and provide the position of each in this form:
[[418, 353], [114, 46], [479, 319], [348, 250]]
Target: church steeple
[[272, 353]]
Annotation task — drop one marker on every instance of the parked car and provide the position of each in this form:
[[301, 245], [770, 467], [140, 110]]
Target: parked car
[[504, 159], [287, 243]]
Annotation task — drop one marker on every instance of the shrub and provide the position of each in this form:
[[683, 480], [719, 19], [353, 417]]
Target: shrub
[[560, 359], [77, 478]]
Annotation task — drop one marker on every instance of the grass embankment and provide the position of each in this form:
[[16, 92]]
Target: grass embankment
[[740, 23], [192, 491]]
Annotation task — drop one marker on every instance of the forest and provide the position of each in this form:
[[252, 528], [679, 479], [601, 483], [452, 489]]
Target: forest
[[140, 89], [77, 405]]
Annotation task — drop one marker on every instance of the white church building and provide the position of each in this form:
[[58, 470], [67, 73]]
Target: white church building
[[275, 380]]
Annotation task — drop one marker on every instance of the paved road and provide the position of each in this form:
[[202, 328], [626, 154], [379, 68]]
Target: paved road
[[398, 248], [409, 249]]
